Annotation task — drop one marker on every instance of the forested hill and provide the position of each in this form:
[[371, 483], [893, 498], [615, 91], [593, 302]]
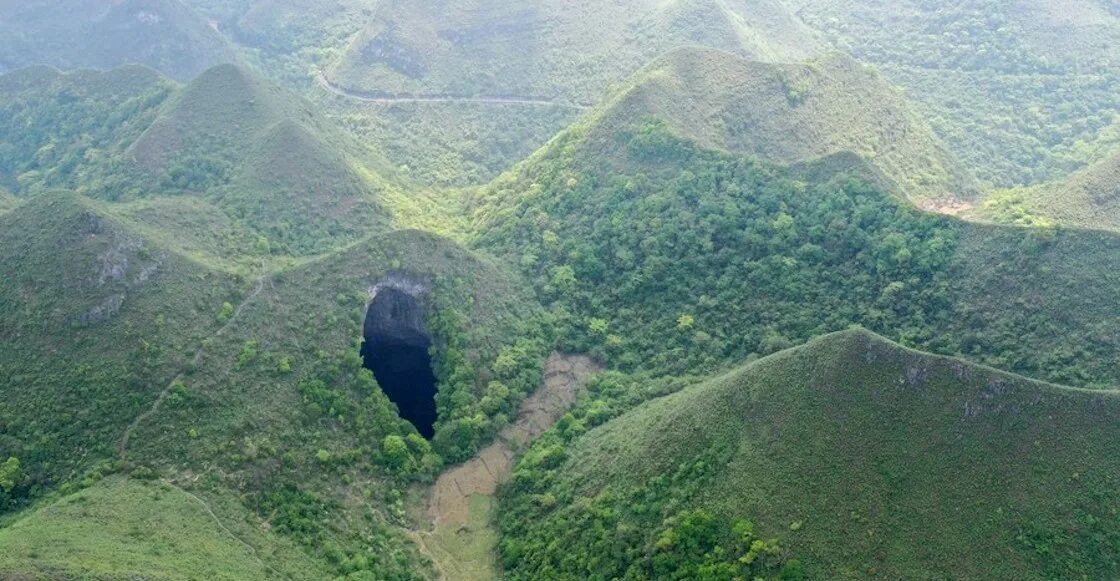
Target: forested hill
[[847, 458], [658, 254]]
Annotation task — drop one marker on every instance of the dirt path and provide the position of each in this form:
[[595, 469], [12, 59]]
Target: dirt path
[[372, 98], [461, 540], [122, 446]]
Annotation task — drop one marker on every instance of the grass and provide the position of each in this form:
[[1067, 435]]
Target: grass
[[122, 528], [1086, 199], [865, 459]]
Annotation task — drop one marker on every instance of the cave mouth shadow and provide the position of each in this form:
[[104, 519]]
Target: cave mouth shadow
[[395, 348]]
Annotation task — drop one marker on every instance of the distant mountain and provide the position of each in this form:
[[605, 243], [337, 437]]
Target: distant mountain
[[854, 456], [793, 113], [551, 49], [1016, 89], [162, 34]]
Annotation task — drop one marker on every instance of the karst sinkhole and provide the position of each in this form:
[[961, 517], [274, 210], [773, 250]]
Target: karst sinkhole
[[395, 349]]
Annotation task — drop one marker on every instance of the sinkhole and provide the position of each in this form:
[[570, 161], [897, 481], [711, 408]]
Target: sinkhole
[[395, 348]]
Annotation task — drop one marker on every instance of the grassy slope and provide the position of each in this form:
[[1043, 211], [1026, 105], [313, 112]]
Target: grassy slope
[[894, 464], [549, 48], [99, 320], [1089, 198], [163, 34], [121, 528], [1020, 91], [793, 113], [264, 157]]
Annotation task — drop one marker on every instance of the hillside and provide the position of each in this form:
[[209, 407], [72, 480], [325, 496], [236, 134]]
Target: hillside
[[793, 113], [160, 366], [99, 319], [7, 201], [1023, 92], [69, 34], [264, 157], [1089, 198], [144, 530], [850, 455], [551, 49], [660, 255], [72, 130]]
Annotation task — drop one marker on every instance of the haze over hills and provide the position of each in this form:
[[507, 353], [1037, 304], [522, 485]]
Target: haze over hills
[[859, 458], [564, 51], [163, 34]]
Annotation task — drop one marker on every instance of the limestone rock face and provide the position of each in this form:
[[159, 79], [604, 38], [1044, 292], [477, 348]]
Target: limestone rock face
[[397, 316]]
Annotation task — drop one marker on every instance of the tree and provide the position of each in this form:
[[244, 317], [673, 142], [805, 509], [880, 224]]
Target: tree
[[395, 451], [9, 474]]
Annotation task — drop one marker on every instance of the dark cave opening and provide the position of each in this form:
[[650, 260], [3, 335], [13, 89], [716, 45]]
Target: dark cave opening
[[395, 349]]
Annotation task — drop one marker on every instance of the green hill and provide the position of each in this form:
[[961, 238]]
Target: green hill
[[1023, 92], [121, 528], [1089, 198], [661, 255], [129, 357], [793, 113], [551, 49], [262, 155], [99, 320], [858, 458], [69, 34], [276, 172], [72, 130]]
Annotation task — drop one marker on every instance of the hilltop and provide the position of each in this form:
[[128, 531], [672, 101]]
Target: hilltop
[[792, 113], [163, 34], [262, 155], [852, 456], [551, 49]]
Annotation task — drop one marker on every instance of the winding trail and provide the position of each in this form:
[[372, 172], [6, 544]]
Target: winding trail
[[357, 95], [461, 540], [252, 550], [122, 446]]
